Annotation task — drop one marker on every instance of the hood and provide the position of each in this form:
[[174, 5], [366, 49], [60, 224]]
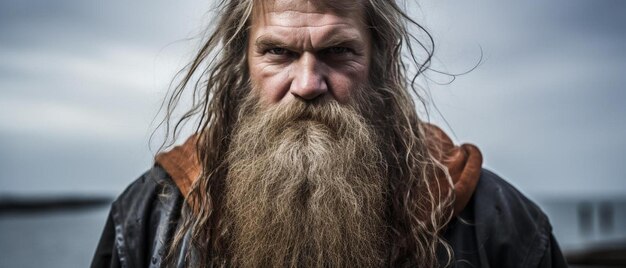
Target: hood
[[464, 164]]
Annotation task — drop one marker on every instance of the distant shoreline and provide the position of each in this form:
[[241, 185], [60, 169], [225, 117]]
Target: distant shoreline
[[39, 204]]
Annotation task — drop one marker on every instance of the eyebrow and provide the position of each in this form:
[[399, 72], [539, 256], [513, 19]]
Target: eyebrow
[[267, 41]]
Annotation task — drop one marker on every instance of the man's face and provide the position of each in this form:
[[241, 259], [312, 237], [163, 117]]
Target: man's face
[[300, 49]]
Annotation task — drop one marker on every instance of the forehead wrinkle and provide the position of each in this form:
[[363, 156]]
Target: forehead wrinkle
[[301, 25], [339, 8], [308, 19]]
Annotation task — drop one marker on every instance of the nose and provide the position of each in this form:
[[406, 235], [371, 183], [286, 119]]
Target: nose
[[309, 81]]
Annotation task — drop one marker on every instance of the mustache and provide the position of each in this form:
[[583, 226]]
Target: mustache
[[324, 111]]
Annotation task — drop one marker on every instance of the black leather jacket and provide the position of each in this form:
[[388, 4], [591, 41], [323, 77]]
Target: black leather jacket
[[499, 227]]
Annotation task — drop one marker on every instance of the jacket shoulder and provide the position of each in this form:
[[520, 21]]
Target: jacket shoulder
[[143, 218], [500, 227], [514, 230], [154, 184], [495, 198]]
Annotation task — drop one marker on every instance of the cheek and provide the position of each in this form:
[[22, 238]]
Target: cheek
[[345, 84], [271, 84]]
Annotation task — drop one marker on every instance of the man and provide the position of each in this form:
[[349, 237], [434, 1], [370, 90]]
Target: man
[[310, 153]]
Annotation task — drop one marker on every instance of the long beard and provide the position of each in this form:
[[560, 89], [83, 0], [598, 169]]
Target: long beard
[[306, 187]]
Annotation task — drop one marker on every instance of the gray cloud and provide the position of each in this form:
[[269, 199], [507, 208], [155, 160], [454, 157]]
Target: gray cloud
[[547, 105]]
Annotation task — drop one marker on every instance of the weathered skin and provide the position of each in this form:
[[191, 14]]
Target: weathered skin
[[298, 49]]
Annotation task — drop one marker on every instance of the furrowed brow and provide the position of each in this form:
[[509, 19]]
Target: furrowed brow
[[267, 42], [342, 40]]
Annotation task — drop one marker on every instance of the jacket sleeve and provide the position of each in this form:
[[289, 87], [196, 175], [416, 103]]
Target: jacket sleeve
[[106, 254], [552, 258], [141, 221]]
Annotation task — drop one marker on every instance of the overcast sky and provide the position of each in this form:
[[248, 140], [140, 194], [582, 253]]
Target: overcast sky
[[81, 81]]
